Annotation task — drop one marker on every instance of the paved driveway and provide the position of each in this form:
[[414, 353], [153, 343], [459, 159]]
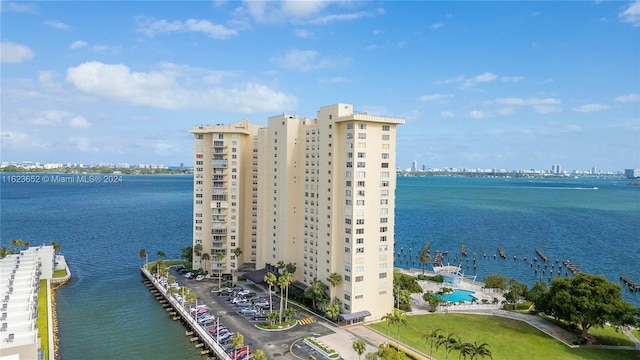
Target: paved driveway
[[276, 344]]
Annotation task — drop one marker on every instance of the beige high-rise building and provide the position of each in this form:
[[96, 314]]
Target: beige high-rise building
[[318, 193]]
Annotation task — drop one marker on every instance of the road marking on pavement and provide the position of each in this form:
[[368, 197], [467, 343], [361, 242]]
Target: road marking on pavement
[[307, 321]]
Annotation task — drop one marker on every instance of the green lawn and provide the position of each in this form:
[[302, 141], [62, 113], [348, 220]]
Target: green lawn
[[60, 273], [43, 318], [507, 339], [636, 333]]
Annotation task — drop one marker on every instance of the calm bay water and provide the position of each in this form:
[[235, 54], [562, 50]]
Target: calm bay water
[[106, 312]]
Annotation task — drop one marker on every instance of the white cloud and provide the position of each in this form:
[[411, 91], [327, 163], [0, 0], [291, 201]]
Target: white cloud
[[628, 98], [529, 101], [327, 19], [305, 34], [56, 25], [49, 118], [14, 140], [631, 14], [20, 7], [79, 122], [306, 60], [14, 53], [434, 97], [437, 25], [100, 48], [476, 114], [77, 44], [166, 89], [591, 107], [447, 114], [82, 144], [468, 83], [506, 111], [152, 27], [574, 128], [485, 77], [301, 12], [511, 78]]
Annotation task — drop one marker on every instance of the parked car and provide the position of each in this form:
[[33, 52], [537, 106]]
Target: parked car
[[208, 322], [224, 338], [224, 292], [205, 317], [249, 295], [237, 288], [261, 303], [199, 277], [243, 303], [188, 275], [260, 317], [248, 311]]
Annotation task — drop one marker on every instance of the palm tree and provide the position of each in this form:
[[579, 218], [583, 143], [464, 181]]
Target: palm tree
[[288, 313], [449, 343], [431, 338], [205, 257], [359, 346], [218, 256], [272, 316], [270, 279], [56, 246], [479, 350], [197, 249], [464, 349], [316, 292], [142, 254], [425, 256], [161, 255], [259, 355], [289, 279], [237, 252], [399, 318], [387, 317], [334, 279], [333, 309], [282, 283], [237, 340]]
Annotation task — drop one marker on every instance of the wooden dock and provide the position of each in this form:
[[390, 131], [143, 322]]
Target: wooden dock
[[542, 255], [463, 250], [571, 267], [632, 285]]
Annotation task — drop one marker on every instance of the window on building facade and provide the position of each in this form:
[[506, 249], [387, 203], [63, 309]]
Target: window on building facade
[[350, 126], [349, 135], [359, 278], [361, 164], [383, 229], [362, 136], [385, 127]]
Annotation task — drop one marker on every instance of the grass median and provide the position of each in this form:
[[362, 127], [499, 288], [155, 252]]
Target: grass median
[[507, 338]]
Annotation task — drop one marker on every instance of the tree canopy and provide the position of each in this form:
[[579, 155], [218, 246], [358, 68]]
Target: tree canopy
[[587, 300]]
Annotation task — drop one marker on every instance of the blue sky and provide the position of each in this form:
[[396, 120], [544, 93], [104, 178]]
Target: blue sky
[[510, 85]]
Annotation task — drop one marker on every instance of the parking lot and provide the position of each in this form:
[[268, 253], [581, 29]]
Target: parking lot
[[275, 344]]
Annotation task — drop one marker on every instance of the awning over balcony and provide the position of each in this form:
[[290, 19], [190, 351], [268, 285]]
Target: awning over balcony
[[354, 316]]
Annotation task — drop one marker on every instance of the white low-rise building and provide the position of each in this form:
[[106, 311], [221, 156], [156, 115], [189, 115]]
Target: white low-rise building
[[20, 276]]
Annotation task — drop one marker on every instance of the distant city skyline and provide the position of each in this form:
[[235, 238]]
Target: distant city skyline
[[481, 84]]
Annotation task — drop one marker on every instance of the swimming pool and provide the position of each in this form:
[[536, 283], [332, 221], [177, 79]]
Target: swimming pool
[[460, 295]]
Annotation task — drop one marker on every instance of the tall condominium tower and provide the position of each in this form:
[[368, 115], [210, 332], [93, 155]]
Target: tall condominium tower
[[318, 193], [225, 188]]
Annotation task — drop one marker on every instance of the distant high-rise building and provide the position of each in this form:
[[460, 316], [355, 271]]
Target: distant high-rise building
[[317, 193], [414, 166], [632, 173]]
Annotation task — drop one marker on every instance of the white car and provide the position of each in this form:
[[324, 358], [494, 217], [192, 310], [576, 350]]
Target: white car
[[199, 277]]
